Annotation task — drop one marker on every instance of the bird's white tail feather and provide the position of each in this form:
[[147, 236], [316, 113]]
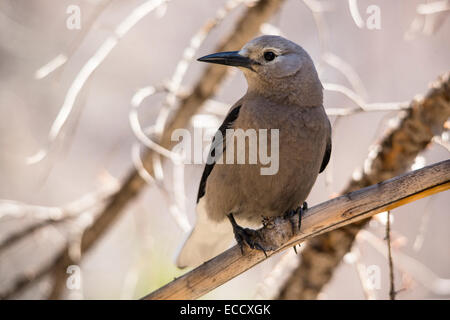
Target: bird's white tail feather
[[206, 240]]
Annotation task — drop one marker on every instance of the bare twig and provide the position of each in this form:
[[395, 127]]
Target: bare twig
[[392, 292], [392, 156], [320, 219]]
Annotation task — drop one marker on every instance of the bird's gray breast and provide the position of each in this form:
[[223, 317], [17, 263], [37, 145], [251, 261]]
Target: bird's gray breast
[[241, 189]]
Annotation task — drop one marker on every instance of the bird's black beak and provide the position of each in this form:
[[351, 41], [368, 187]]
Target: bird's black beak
[[229, 58]]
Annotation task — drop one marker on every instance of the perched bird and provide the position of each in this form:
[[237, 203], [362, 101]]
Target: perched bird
[[284, 93]]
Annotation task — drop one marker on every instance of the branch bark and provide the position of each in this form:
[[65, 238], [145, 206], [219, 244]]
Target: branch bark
[[322, 218], [246, 28], [424, 119]]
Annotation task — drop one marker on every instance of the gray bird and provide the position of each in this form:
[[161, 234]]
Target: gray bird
[[285, 93]]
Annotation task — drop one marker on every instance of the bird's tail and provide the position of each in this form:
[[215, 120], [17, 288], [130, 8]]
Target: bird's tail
[[206, 240]]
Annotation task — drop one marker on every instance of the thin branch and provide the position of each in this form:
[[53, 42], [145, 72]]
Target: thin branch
[[394, 155], [392, 292], [327, 216]]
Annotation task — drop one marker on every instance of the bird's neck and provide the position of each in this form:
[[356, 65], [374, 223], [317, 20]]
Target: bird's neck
[[302, 89]]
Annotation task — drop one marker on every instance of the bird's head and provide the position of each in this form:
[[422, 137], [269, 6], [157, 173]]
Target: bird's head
[[274, 65]]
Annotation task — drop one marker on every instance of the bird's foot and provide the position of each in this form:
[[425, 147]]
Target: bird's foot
[[296, 224], [245, 235], [291, 215]]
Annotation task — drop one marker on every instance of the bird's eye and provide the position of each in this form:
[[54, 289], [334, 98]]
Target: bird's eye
[[269, 55]]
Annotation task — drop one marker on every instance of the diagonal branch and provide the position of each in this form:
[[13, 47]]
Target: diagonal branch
[[322, 218], [394, 155]]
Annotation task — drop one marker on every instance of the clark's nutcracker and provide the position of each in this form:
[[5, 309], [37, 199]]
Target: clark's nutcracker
[[284, 92]]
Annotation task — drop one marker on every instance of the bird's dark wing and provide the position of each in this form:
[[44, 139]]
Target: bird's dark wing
[[326, 156], [230, 118]]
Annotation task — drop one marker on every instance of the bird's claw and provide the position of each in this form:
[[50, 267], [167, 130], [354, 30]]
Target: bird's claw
[[296, 226], [245, 235], [292, 213]]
